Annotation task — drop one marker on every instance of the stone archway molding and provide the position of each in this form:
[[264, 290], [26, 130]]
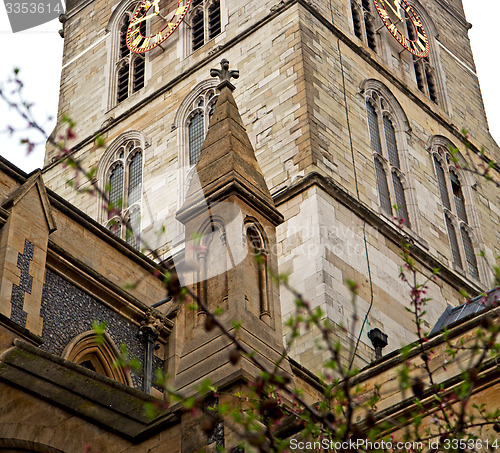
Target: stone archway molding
[[10, 445]]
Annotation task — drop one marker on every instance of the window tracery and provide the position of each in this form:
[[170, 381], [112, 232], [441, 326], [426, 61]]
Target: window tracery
[[121, 171], [198, 120], [205, 22], [131, 66], [127, 70], [386, 153], [364, 22], [460, 233], [427, 72], [424, 71]]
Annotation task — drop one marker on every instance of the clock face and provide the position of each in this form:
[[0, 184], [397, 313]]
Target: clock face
[[398, 16], [163, 21]]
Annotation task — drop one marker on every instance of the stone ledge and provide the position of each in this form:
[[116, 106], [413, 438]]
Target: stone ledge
[[88, 395], [364, 212]]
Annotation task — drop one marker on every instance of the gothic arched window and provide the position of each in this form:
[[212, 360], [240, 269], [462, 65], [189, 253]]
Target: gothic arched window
[[456, 217], [123, 182], [363, 22], [197, 124], [205, 22], [131, 66], [424, 71], [427, 72], [191, 121], [387, 157], [98, 354], [128, 69]]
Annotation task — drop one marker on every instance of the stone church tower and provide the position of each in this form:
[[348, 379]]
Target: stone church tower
[[345, 122]]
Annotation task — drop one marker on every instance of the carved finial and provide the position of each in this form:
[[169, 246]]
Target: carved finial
[[225, 75]]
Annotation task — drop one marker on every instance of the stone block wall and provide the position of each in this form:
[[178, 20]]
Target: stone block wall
[[300, 97]]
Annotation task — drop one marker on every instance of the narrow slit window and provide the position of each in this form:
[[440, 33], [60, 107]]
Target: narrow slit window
[[197, 30], [196, 137], [470, 256], [390, 138], [442, 184], [116, 188], [399, 192], [452, 235], [374, 128], [383, 189], [135, 178], [214, 25], [458, 196]]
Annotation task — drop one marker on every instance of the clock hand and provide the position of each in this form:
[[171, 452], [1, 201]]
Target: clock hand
[[144, 18], [157, 9]]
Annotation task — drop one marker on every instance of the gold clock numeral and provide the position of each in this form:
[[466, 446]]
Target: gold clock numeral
[[158, 37], [421, 42], [395, 6], [414, 19], [146, 42], [384, 15], [133, 33], [181, 10], [136, 41], [392, 28], [171, 26]]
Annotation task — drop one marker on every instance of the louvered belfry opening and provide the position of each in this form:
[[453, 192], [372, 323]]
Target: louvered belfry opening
[[373, 127], [198, 29], [131, 72], [214, 25], [383, 188], [123, 49], [470, 256], [205, 22], [122, 88], [138, 76], [357, 21], [369, 27], [424, 73], [390, 138]]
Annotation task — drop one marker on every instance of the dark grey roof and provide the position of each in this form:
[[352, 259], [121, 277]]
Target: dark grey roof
[[453, 314]]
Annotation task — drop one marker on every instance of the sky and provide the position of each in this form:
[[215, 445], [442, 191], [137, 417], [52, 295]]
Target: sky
[[38, 53]]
